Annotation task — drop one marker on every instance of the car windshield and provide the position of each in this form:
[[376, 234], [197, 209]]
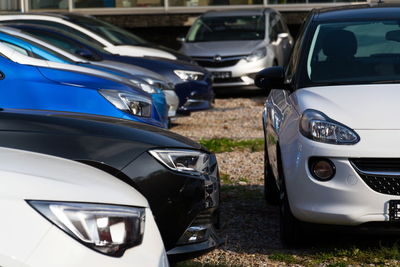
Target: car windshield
[[111, 33], [210, 29], [355, 52]]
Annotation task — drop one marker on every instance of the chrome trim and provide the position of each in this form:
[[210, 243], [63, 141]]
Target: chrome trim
[[374, 173], [222, 58]]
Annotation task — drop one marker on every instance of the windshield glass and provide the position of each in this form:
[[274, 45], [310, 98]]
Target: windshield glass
[[355, 52], [111, 33], [227, 29]]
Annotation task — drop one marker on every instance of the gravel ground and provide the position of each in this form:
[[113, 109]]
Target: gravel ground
[[238, 118]]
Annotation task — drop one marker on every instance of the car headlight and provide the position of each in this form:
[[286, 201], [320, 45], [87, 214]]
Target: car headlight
[[162, 85], [107, 229], [318, 127], [135, 104], [257, 54], [186, 75], [148, 88], [183, 160]]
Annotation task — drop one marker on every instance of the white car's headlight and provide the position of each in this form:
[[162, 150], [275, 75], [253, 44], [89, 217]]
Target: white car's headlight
[[186, 75], [135, 104], [257, 54], [318, 127], [183, 160], [107, 229], [148, 88]]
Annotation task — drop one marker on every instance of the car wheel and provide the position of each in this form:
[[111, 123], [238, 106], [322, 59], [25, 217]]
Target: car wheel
[[291, 232], [271, 192]]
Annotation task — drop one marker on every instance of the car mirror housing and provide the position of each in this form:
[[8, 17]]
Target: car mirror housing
[[270, 78]]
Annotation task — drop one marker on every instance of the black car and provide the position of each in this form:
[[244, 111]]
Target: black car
[[178, 176]]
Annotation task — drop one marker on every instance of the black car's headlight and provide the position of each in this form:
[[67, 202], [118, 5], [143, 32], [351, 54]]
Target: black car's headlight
[[148, 88], [183, 160], [107, 229], [135, 104], [186, 75], [318, 127]]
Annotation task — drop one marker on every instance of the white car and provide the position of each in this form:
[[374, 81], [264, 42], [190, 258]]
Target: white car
[[115, 40], [331, 122], [57, 212], [236, 44]]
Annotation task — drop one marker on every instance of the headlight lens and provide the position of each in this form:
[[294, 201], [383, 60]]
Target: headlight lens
[[148, 88], [182, 160], [107, 229], [135, 104], [162, 85], [257, 54], [189, 75], [317, 126]]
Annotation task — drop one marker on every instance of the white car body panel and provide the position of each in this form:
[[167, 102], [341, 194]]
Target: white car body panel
[[135, 51], [32, 241]]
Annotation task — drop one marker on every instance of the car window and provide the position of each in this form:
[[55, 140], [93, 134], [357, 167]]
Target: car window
[[351, 52], [213, 29], [16, 48], [56, 25]]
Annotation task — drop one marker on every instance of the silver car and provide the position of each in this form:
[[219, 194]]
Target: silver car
[[236, 44]]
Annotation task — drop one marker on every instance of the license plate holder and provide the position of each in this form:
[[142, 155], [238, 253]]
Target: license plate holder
[[394, 210], [221, 74]]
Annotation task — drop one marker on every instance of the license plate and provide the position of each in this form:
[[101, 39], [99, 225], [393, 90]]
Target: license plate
[[394, 210], [221, 74]]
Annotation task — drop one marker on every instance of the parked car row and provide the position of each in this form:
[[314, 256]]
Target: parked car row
[[85, 158], [76, 89]]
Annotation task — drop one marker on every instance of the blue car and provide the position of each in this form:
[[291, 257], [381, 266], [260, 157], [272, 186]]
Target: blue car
[[30, 83], [31, 46], [192, 83]]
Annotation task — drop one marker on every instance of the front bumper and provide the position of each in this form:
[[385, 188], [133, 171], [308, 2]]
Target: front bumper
[[195, 95], [243, 73], [178, 202], [346, 199]]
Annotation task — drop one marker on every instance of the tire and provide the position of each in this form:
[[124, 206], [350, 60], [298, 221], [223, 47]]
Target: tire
[[271, 191], [291, 232]]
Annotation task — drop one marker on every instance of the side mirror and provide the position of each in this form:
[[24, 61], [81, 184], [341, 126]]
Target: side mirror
[[270, 78], [85, 53], [181, 39]]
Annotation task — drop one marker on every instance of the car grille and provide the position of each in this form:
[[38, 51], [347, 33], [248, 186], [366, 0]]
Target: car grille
[[212, 62], [381, 175]]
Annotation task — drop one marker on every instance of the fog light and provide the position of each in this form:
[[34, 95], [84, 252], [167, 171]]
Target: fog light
[[194, 234], [322, 169]]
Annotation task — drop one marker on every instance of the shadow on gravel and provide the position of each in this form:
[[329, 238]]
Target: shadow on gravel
[[234, 92], [249, 225]]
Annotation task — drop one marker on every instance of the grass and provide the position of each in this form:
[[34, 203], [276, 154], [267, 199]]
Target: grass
[[197, 264], [342, 257], [219, 145]]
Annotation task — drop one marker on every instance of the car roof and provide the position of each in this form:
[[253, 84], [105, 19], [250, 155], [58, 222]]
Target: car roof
[[237, 12], [358, 12], [61, 15]]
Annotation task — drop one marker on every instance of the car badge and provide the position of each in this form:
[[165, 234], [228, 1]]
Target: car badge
[[217, 58]]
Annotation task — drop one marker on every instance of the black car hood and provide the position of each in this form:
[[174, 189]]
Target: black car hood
[[91, 125]]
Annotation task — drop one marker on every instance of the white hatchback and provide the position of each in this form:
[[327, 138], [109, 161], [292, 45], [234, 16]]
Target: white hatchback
[[57, 212], [331, 122]]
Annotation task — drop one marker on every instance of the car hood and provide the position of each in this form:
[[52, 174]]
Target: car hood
[[222, 48], [138, 51], [34, 176], [129, 68], [360, 107]]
